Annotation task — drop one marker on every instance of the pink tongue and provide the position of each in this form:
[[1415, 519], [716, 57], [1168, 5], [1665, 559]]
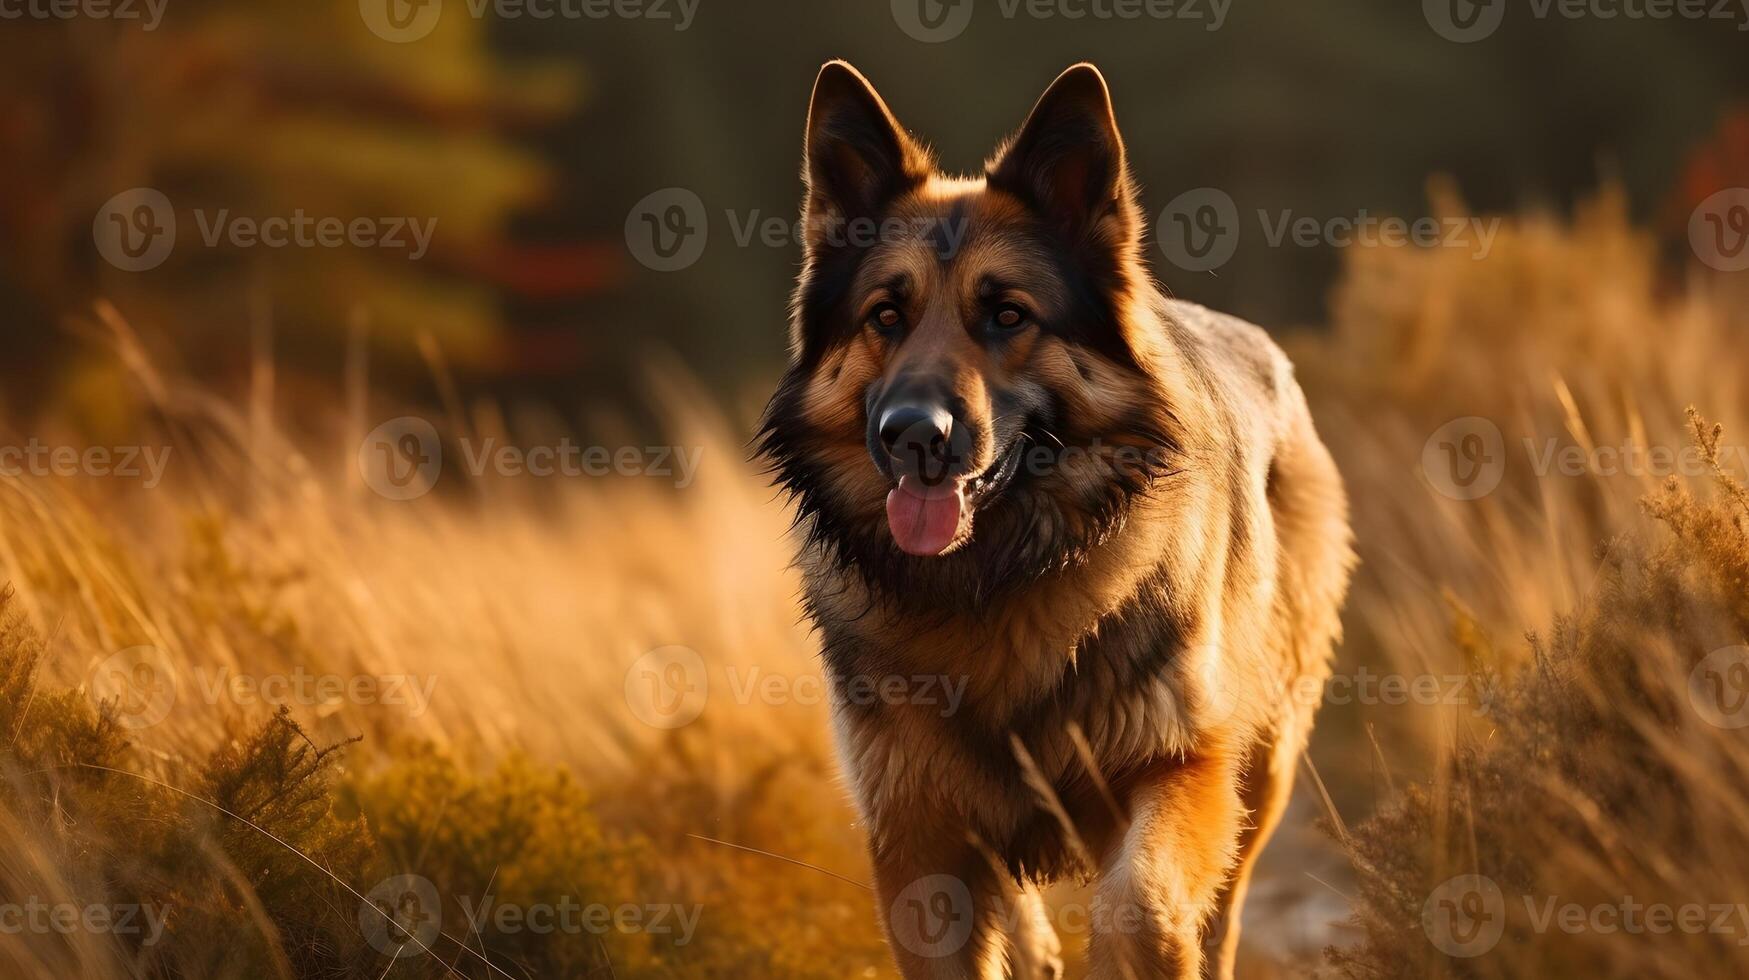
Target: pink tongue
[[925, 520]]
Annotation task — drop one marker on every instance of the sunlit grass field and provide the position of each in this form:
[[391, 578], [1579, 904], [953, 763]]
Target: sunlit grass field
[[466, 675]]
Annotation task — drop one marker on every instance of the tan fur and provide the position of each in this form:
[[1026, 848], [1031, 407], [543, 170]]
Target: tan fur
[[1236, 561]]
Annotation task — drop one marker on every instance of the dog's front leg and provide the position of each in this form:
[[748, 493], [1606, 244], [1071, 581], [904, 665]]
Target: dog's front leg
[[943, 908], [1161, 878]]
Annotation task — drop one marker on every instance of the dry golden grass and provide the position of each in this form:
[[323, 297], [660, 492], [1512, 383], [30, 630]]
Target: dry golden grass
[[524, 606], [1581, 601], [527, 601]]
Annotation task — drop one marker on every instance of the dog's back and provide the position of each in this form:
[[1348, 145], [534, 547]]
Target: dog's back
[[1307, 505]]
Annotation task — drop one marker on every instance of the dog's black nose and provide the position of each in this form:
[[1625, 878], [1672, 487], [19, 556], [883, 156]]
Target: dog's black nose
[[915, 433]]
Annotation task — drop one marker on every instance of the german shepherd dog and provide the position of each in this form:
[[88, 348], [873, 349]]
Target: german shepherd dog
[[1104, 513]]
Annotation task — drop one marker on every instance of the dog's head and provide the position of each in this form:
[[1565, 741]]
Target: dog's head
[[971, 400]]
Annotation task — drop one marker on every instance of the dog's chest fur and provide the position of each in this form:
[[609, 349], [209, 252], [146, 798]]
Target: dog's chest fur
[[1046, 690]]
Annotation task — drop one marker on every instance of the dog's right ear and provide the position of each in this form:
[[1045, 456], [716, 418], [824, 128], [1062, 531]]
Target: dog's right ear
[[858, 157]]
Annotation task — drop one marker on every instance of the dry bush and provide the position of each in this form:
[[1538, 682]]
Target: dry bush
[[186, 888], [1582, 772], [1609, 770]]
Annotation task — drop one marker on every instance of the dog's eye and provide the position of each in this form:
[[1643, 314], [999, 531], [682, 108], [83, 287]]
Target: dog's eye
[[1009, 316], [886, 318]]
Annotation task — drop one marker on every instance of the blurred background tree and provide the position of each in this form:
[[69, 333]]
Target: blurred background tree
[[261, 110]]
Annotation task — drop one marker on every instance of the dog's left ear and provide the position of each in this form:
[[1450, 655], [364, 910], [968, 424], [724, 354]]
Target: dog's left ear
[[1067, 161], [858, 157]]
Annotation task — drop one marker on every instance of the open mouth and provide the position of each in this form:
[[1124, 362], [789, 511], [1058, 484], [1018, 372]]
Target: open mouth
[[926, 519]]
